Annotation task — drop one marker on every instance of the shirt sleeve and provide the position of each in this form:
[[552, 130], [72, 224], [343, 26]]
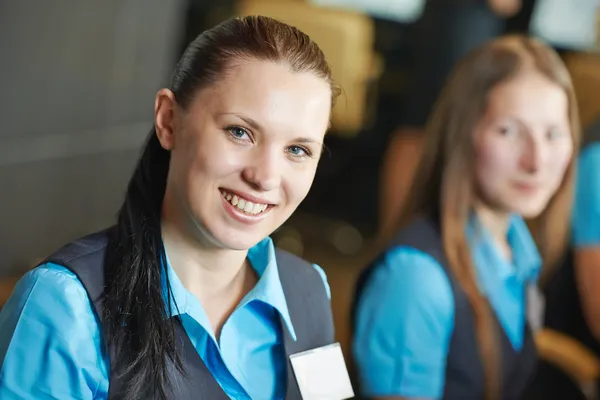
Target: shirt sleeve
[[404, 321], [324, 278], [586, 210], [50, 344]]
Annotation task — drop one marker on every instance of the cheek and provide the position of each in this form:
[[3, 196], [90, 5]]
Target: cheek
[[217, 164], [559, 161], [495, 161], [297, 183], [210, 160]]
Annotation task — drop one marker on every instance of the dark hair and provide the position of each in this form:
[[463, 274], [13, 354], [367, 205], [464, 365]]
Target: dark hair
[[136, 322], [443, 190]]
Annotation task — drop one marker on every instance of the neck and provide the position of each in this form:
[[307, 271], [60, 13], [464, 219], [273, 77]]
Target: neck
[[205, 269], [206, 272], [496, 222]]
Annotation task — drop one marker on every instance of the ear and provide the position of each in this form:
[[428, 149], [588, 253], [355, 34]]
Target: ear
[[164, 118]]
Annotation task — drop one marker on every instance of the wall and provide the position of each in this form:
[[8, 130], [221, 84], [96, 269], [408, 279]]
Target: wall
[[78, 82]]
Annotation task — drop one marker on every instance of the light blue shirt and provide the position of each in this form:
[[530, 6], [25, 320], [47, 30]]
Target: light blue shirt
[[586, 210], [50, 343], [405, 316]]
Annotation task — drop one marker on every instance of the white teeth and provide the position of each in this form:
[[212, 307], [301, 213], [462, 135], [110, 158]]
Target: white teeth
[[244, 205]]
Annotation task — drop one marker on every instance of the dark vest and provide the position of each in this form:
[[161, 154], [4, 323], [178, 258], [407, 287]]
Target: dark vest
[[464, 377], [305, 294]]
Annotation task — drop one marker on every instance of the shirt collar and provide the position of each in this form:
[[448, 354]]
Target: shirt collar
[[267, 290], [526, 260]]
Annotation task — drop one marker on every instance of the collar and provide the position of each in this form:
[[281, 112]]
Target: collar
[[267, 290], [526, 261]]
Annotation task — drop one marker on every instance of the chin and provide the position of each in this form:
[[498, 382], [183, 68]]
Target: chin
[[529, 209], [237, 240]]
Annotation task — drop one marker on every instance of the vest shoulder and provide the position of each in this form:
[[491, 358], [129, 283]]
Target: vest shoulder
[[85, 257], [299, 277], [307, 300], [292, 264], [423, 234], [90, 245]]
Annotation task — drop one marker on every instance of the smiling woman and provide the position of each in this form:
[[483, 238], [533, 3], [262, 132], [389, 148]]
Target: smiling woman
[[186, 295]]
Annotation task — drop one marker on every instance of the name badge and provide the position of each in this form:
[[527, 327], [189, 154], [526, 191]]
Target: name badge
[[536, 305], [322, 374]]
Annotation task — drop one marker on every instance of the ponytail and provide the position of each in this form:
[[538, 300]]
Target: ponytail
[[136, 321]]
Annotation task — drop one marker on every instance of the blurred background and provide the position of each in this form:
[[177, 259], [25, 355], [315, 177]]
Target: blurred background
[[78, 81]]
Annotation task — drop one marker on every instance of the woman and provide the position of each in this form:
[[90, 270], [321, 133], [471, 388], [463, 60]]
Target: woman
[[186, 296], [441, 313], [445, 33]]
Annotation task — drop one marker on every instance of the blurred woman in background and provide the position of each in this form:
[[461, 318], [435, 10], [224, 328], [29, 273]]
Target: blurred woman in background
[[445, 33], [441, 313], [186, 296]]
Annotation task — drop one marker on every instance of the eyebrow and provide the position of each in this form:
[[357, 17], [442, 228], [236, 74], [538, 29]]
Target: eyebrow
[[255, 125], [307, 140], [524, 124]]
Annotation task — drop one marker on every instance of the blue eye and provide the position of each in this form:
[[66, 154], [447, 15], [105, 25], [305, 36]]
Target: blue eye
[[554, 134], [237, 132], [297, 151], [507, 130]]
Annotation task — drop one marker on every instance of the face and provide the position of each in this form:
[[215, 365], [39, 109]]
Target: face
[[523, 144], [245, 152]]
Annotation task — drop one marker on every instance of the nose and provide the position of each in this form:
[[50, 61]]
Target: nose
[[533, 155], [263, 172]]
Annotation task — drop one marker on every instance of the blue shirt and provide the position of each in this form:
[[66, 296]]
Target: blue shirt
[[586, 210], [50, 343], [405, 316]]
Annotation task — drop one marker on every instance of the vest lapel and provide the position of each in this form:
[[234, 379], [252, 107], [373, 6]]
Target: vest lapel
[[291, 347]]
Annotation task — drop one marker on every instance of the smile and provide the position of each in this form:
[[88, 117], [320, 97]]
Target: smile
[[244, 205]]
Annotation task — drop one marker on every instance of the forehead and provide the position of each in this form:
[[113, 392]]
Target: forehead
[[277, 98], [531, 97]]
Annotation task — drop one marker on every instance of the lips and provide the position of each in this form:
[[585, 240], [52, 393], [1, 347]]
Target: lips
[[527, 189], [244, 204]]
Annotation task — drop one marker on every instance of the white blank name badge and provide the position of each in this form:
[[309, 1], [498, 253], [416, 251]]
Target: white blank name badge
[[322, 374]]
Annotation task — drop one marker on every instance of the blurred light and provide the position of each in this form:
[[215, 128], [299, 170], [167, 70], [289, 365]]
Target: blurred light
[[346, 239]]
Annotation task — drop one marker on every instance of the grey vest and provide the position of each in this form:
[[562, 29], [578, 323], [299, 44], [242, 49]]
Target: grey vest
[[464, 377], [307, 301]]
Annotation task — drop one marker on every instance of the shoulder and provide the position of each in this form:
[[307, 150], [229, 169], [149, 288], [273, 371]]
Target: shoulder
[[411, 277], [294, 268], [403, 325], [50, 277], [50, 287], [586, 210], [49, 327], [307, 295], [588, 167], [285, 259], [590, 154], [49, 303]]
